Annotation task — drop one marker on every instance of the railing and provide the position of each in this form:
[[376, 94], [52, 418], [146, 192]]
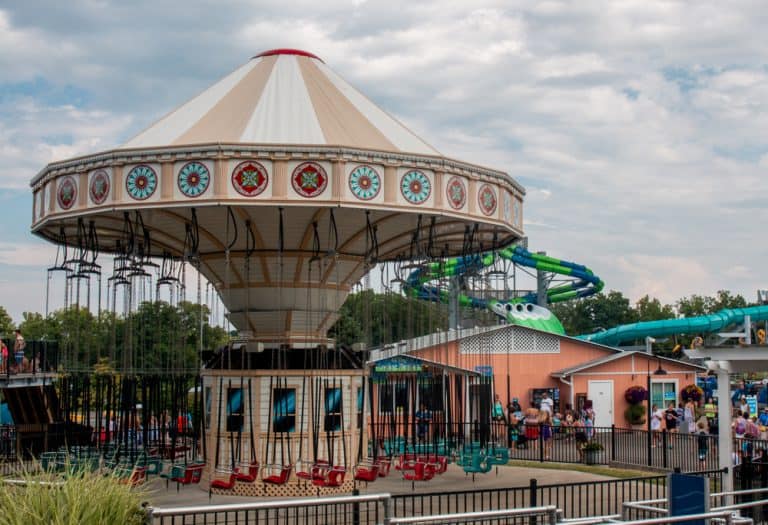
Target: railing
[[576, 500], [366, 509]]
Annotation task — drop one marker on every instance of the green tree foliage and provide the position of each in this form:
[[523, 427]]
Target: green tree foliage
[[6, 323], [376, 319], [601, 311], [702, 305], [156, 336], [651, 309]]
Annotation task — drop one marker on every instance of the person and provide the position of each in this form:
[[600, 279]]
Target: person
[[589, 424], [752, 431], [763, 419], [18, 350], [517, 410], [710, 410], [423, 417], [703, 445], [3, 356], [498, 409], [670, 418], [579, 435], [545, 424], [546, 403], [532, 425], [739, 425], [689, 413], [656, 417], [744, 406]]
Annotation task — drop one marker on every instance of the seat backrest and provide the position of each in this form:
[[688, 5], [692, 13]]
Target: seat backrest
[[285, 474]]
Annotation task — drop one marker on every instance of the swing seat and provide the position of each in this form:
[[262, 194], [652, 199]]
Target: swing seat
[[223, 479], [406, 462], [136, 477], [440, 464], [384, 466], [421, 472], [247, 472], [366, 471], [333, 477], [276, 474], [308, 471]]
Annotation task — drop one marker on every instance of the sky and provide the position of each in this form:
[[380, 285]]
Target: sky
[[639, 128]]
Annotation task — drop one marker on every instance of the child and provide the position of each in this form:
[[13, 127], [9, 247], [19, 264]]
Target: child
[[703, 444]]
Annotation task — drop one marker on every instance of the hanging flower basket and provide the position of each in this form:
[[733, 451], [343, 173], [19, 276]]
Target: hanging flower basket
[[635, 395], [692, 393]]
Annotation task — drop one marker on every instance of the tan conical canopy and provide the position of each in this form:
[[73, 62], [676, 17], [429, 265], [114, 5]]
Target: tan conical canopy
[[282, 132]]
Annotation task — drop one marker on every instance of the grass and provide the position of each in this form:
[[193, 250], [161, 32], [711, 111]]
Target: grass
[[598, 470], [88, 498]]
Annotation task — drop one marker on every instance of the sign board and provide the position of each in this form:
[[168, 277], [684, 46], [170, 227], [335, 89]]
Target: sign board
[[398, 365], [688, 495], [484, 370], [752, 403], [670, 396]]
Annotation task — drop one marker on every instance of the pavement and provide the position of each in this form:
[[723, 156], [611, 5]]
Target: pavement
[[454, 479]]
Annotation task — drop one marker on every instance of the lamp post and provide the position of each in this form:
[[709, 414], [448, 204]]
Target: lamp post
[[658, 372]]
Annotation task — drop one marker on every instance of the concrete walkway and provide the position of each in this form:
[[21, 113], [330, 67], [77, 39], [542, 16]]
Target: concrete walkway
[[453, 480]]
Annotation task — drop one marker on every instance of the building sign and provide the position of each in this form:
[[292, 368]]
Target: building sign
[[484, 370], [398, 365], [752, 403]]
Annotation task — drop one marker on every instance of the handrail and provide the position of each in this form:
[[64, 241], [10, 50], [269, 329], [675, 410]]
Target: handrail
[[726, 515], [157, 512], [548, 510], [594, 520]]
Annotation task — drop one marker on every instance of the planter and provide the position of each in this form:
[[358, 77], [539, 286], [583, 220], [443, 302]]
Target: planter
[[592, 457]]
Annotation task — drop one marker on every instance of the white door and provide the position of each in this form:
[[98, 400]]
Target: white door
[[601, 395]]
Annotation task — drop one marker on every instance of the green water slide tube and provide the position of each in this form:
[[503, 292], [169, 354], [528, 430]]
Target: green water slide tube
[[703, 324]]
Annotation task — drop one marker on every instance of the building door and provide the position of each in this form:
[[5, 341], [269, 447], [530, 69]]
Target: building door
[[601, 395]]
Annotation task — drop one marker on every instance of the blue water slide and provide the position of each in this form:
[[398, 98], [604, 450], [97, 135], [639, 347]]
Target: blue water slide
[[703, 324]]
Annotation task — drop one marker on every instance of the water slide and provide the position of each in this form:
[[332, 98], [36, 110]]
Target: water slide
[[521, 310], [703, 324]]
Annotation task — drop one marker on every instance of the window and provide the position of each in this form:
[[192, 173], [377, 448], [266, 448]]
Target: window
[[332, 409], [284, 409], [385, 398], [207, 396], [360, 406], [663, 393], [235, 410], [431, 394]]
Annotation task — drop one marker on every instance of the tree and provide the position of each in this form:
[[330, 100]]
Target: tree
[[599, 312], [651, 309], [6, 323]]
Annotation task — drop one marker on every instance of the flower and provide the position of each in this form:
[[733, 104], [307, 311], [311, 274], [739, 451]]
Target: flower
[[692, 393], [635, 395]]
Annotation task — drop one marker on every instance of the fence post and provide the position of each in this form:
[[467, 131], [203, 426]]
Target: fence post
[[541, 445], [613, 442], [664, 448], [387, 510], [356, 508], [533, 498]]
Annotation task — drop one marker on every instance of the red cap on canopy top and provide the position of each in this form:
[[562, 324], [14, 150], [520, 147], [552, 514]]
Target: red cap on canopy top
[[288, 51]]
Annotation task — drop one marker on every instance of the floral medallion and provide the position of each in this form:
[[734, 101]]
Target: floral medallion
[[194, 178], [415, 187], [250, 178], [364, 182], [456, 193], [67, 194], [486, 198], [309, 179], [99, 188], [141, 182]]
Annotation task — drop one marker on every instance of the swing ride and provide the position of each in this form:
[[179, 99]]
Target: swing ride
[[282, 186]]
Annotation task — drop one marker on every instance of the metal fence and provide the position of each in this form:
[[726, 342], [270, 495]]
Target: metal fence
[[576, 500]]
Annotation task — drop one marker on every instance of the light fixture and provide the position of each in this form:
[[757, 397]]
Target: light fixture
[[660, 371]]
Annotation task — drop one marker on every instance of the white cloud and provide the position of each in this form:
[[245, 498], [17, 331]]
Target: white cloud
[[638, 126]]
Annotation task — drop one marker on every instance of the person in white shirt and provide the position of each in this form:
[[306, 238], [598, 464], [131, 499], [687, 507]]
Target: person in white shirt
[[546, 403]]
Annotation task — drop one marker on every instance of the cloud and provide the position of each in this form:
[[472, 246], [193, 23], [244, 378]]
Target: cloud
[[638, 126]]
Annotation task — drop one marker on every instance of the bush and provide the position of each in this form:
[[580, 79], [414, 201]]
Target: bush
[[592, 446], [635, 395], [83, 499], [635, 414]]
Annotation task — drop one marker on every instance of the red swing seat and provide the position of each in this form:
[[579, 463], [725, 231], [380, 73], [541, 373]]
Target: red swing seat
[[331, 477], [223, 479], [276, 474], [366, 471], [406, 462], [421, 472], [308, 471], [247, 472]]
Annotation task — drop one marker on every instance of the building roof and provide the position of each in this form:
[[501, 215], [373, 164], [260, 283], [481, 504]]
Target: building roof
[[285, 97], [565, 372]]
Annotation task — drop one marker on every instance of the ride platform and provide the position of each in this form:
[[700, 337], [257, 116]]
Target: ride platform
[[27, 379]]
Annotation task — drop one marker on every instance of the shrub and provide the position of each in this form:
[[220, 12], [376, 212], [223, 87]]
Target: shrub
[[635, 395], [593, 446], [692, 393], [83, 499], [635, 414]]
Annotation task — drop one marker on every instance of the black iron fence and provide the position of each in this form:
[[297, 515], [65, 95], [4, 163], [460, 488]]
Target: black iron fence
[[576, 500]]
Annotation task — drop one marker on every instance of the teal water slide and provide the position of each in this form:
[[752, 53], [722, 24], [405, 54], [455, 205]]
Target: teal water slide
[[521, 310], [703, 324]]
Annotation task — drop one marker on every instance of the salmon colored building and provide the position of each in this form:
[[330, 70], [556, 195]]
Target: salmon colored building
[[524, 362]]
